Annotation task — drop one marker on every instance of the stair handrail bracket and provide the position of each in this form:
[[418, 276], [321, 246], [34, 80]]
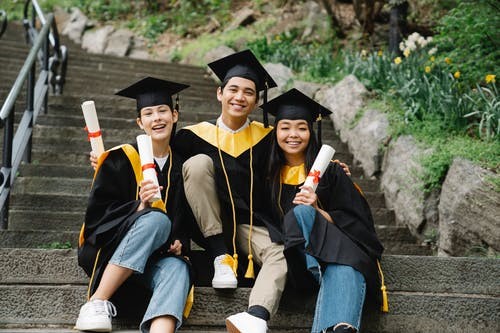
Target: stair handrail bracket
[[58, 61], [3, 22], [17, 146]]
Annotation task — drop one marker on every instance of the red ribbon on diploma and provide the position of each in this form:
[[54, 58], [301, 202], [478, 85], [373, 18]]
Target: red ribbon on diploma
[[148, 166], [316, 176], [92, 134]]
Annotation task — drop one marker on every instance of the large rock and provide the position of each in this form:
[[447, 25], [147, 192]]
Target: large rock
[[77, 24], [469, 210], [345, 100], [404, 190], [95, 41], [119, 42], [366, 141]]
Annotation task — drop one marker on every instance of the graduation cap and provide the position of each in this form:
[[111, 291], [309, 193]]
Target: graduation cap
[[244, 64], [151, 91], [294, 105]]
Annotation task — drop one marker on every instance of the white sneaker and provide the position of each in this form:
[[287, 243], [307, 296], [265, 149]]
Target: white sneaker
[[224, 277], [244, 322], [95, 316]]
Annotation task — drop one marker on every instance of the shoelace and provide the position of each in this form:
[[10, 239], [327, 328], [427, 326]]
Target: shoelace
[[225, 264], [106, 307]]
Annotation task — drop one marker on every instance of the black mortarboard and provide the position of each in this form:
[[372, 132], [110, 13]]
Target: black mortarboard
[[295, 105], [151, 91], [244, 64]]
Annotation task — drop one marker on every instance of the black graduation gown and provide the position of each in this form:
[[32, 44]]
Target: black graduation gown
[[351, 240], [235, 150], [112, 205]]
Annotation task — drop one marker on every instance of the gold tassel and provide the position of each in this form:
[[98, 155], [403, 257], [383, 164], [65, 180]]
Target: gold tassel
[[189, 303], [235, 264], [385, 302], [250, 273]]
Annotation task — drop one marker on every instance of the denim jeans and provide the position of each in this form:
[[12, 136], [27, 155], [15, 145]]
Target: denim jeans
[[342, 288], [167, 278]]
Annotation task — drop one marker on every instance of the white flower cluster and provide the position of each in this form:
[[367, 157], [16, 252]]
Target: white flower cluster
[[414, 41]]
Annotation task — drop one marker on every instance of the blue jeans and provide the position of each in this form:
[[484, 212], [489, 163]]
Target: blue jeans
[[342, 288], [167, 278]]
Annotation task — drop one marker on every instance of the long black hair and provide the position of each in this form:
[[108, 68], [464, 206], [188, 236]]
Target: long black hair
[[277, 161]]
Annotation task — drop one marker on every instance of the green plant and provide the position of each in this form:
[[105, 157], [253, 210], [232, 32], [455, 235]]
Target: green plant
[[486, 111], [313, 61], [469, 35]]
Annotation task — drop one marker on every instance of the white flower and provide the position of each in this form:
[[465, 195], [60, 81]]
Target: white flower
[[411, 45], [433, 51], [402, 46], [422, 42]]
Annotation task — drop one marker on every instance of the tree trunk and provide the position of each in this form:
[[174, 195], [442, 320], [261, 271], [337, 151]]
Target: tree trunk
[[335, 24], [397, 26]]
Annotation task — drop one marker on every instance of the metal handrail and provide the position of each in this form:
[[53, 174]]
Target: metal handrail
[[17, 147], [59, 60], [3, 24]]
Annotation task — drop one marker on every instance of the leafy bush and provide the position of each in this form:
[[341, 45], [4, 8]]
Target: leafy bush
[[313, 61], [469, 35]]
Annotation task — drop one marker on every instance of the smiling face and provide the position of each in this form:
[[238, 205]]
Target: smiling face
[[238, 98], [293, 137], [157, 121]]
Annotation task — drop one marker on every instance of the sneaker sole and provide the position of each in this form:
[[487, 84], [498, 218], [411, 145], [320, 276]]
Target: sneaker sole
[[224, 285], [231, 328], [92, 328]]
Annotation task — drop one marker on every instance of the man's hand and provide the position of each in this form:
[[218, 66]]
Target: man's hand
[[176, 247]]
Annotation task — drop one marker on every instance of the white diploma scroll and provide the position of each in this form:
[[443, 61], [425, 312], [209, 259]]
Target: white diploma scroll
[[93, 129], [148, 165], [320, 164]]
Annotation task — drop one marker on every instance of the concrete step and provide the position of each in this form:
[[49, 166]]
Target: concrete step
[[64, 229], [426, 294]]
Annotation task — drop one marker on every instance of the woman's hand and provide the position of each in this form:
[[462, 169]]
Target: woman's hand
[[176, 248], [306, 196], [146, 192], [93, 159], [344, 167]]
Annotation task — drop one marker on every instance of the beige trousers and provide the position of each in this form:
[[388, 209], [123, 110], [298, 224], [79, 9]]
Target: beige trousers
[[201, 194]]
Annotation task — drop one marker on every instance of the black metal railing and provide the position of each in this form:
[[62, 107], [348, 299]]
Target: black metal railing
[[59, 59], [52, 59], [3, 22]]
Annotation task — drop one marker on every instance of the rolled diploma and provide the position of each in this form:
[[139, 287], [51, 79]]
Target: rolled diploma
[[320, 164], [146, 154], [93, 128]]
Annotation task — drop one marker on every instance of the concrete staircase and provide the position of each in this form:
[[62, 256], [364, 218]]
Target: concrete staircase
[[42, 289]]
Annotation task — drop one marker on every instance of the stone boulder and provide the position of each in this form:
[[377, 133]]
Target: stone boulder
[[404, 191], [76, 25], [469, 211], [95, 41], [366, 141], [345, 99], [119, 43]]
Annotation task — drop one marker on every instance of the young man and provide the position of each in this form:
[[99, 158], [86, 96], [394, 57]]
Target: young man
[[224, 180]]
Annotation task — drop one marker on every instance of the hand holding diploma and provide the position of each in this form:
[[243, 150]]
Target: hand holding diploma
[[320, 164], [93, 129], [307, 194], [148, 167]]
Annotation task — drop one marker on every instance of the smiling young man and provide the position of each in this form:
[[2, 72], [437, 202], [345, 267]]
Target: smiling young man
[[224, 180]]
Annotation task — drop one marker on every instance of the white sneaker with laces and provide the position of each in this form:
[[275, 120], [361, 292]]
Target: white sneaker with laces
[[244, 322], [95, 315], [224, 277]]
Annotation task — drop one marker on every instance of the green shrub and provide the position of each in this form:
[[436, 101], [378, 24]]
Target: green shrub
[[469, 35], [312, 61]]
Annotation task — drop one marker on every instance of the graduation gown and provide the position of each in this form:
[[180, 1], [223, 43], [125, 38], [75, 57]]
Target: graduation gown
[[351, 240], [112, 206], [237, 150]]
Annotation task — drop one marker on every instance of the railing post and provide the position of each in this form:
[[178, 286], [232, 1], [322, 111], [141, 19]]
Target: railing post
[[7, 163], [30, 100], [45, 67]]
